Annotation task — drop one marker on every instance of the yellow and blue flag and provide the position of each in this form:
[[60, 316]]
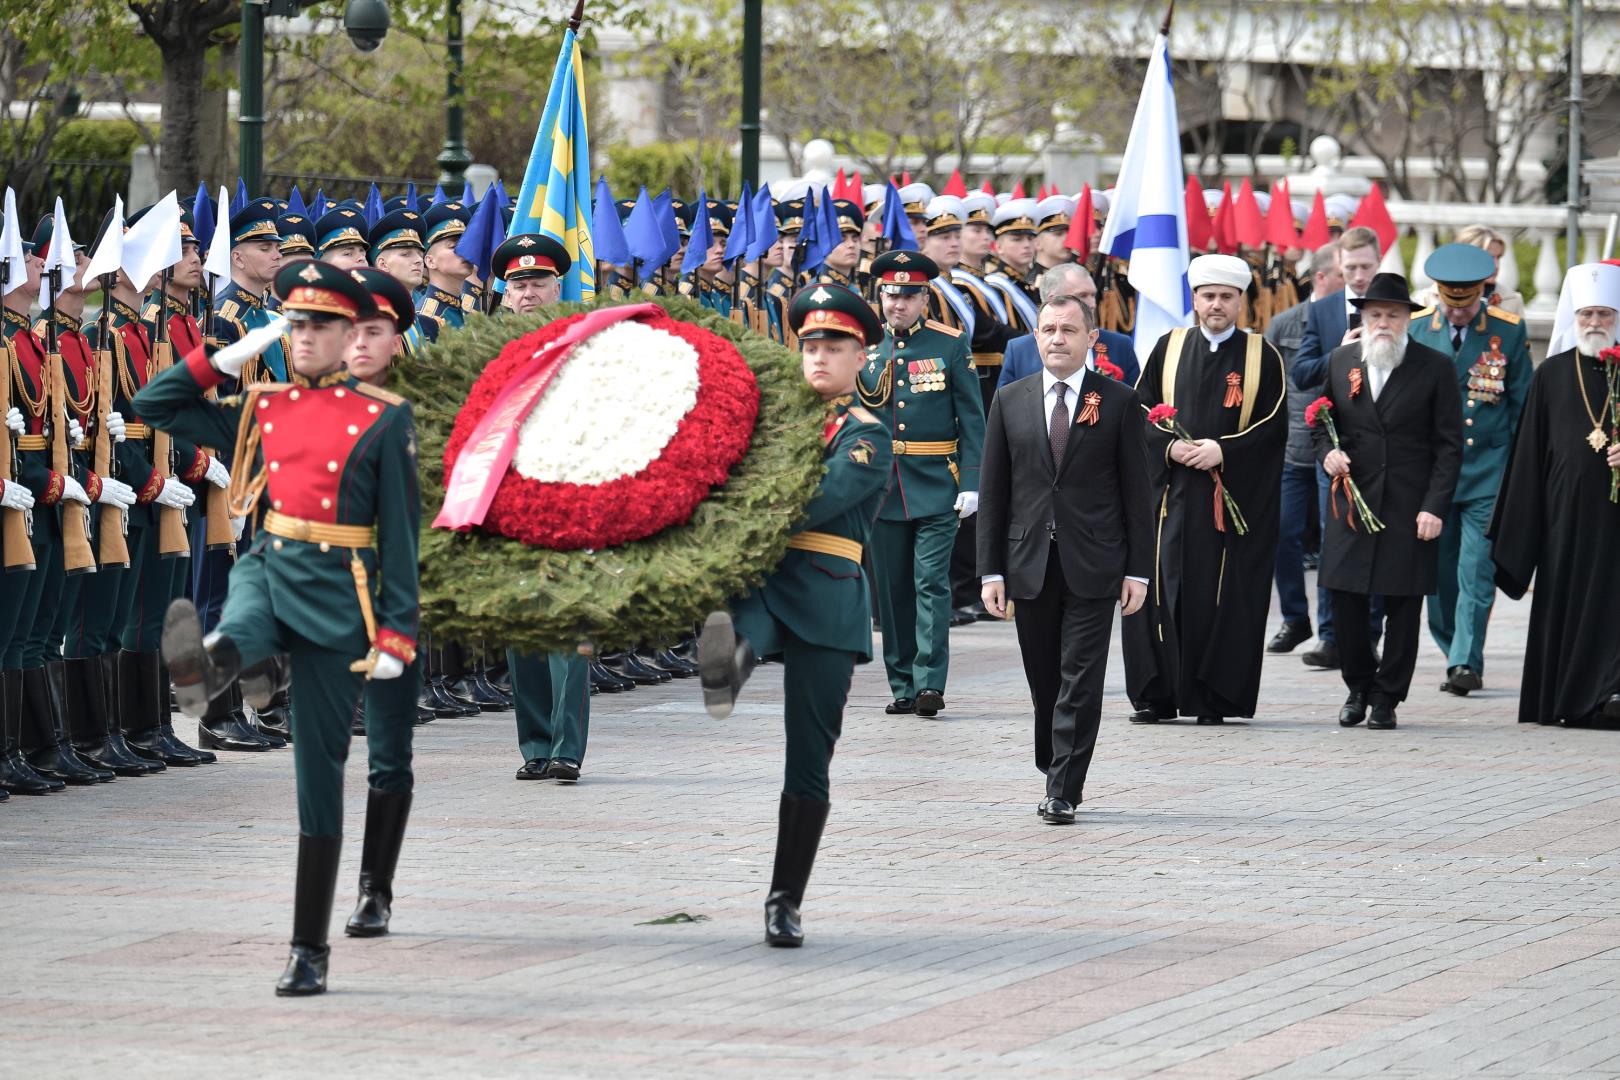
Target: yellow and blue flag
[[555, 199]]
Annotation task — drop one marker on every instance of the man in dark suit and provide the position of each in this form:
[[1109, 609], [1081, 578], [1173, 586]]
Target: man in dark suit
[[1022, 356], [1331, 322], [1066, 529], [1398, 414]]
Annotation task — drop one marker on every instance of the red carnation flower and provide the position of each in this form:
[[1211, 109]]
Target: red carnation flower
[[1161, 414], [1110, 369], [1611, 355], [1314, 410]]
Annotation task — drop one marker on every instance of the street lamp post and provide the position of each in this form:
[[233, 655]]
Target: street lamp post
[[455, 157], [748, 129]]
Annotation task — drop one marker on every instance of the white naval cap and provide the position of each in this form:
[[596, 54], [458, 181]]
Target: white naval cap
[[945, 212], [1014, 215]]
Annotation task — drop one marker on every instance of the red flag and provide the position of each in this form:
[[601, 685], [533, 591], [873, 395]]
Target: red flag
[[1078, 239], [1316, 231], [1199, 233], [1248, 225], [1223, 228], [1280, 219], [1375, 215], [1018, 190], [987, 188], [955, 186], [905, 177], [857, 189], [838, 186]]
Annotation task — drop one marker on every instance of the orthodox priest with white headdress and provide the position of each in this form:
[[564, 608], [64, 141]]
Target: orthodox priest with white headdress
[[1195, 649], [1556, 519]]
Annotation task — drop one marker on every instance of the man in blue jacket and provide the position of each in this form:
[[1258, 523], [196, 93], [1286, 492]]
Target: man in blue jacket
[[1071, 279]]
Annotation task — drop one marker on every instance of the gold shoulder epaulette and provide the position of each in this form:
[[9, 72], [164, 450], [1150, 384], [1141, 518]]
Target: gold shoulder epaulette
[[1423, 313], [266, 387], [934, 324], [149, 312], [228, 310], [863, 415], [380, 394], [1505, 315], [429, 307]]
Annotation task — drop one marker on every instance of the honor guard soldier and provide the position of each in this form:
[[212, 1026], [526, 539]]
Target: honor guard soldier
[[239, 306], [1052, 217], [1014, 224], [35, 723], [438, 302], [1491, 351], [340, 236], [297, 234], [813, 611], [921, 382], [396, 248], [840, 267], [915, 199], [330, 579], [708, 284]]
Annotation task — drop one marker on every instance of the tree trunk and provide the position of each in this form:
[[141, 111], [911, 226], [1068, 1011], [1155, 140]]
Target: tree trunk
[[180, 163]]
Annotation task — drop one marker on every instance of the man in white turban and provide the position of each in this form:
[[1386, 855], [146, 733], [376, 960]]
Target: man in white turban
[[1195, 649]]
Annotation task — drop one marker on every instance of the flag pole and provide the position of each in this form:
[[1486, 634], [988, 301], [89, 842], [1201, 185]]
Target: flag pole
[[579, 16], [1164, 29]]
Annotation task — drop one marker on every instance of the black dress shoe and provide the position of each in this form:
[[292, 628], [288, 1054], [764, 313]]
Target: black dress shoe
[[725, 661], [901, 706], [1611, 708], [626, 666], [1289, 637], [1461, 680], [1056, 812], [962, 617], [981, 613], [1354, 710], [607, 682], [1146, 715], [563, 770], [1382, 718], [929, 702], [1325, 656], [648, 659], [1207, 721], [1311, 560], [534, 769]]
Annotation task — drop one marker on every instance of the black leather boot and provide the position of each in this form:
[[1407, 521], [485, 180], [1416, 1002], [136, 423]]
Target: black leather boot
[[357, 719], [251, 722], [274, 719], [89, 720], [312, 915], [798, 834], [386, 814], [604, 681], [725, 660], [453, 666], [220, 729], [106, 666], [485, 692], [143, 696], [200, 669], [627, 666], [45, 729], [647, 658], [437, 695], [16, 775], [678, 666]]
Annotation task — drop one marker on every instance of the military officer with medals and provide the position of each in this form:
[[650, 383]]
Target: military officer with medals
[[328, 588], [340, 236], [1491, 351], [921, 382], [438, 302], [813, 611]]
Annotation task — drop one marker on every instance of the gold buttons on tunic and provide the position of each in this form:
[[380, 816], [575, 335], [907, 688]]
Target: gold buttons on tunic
[[276, 544], [902, 427], [1469, 421], [372, 409], [325, 546], [901, 404], [263, 404], [339, 392], [275, 503], [1470, 442]]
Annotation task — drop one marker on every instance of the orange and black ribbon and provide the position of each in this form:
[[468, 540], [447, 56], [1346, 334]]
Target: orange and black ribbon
[[1088, 413], [1234, 390]]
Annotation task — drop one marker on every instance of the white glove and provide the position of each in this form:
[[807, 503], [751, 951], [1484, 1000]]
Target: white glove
[[14, 421], [13, 496], [115, 426], [237, 524], [73, 490], [967, 504], [75, 432], [218, 474], [388, 666], [232, 358], [116, 493], [175, 494]]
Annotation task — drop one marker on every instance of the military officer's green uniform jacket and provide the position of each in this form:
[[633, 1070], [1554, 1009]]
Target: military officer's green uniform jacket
[[923, 384], [1493, 392], [437, 309], [813, 612], [338, 460], [236, 311]]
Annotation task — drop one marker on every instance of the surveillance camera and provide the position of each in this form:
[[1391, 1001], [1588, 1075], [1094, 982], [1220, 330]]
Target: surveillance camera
[[366, 23]]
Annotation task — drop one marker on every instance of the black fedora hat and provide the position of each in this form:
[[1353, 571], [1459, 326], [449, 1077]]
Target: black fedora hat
[[1386, 289]]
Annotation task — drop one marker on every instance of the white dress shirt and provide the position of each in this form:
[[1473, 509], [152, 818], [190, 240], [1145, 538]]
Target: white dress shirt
[[1217, 340], [1376, 378], [1049, 400]]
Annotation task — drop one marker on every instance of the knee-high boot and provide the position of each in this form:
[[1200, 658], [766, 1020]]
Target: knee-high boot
[[91, 723], [312, 915], [386, 814], [798, 835], [49, 750], [16, 775]]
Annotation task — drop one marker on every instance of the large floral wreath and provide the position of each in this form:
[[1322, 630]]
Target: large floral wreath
[[479, 586]]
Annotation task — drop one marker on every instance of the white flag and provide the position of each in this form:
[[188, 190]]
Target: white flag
[[108, 258], [61, 262], [218, 262], [11, 247], [152, 244]]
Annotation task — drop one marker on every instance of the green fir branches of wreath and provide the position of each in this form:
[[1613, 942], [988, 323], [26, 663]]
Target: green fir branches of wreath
[[478, 587]]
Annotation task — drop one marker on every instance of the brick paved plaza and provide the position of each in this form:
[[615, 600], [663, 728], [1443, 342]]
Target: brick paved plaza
[[1277, 898]]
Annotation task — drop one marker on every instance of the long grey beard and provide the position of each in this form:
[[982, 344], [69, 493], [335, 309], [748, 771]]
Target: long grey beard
[[1593, 342], [1386, 355]]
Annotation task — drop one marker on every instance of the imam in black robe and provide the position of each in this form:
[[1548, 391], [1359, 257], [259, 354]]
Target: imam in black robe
[[1554, 523], [1196, 647]]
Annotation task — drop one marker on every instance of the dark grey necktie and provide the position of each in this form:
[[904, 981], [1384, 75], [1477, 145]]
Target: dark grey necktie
[[1059, 433], [1457, 333]]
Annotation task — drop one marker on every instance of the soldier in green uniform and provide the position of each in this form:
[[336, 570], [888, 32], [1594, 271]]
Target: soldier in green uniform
[[709, 284], [239, 305], [297, 234], [396, 248], [340, 236], [813, 611], [842, 261], [438, 302], [921, 381], [1491, 351], [330, 579]]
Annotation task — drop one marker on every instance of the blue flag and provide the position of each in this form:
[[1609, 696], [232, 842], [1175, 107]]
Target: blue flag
[[202, 218], [467, 193], [295, 203], [664, 203], [644, 235], [241, 198], [896, 226], [438, 195], [763, 220], [611, 245], [410, 198], [373, 207], [702, 238], [319, 206], [742, 226], [485, 232]]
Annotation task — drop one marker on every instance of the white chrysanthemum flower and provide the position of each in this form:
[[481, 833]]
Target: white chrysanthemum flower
[[612, 409]]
